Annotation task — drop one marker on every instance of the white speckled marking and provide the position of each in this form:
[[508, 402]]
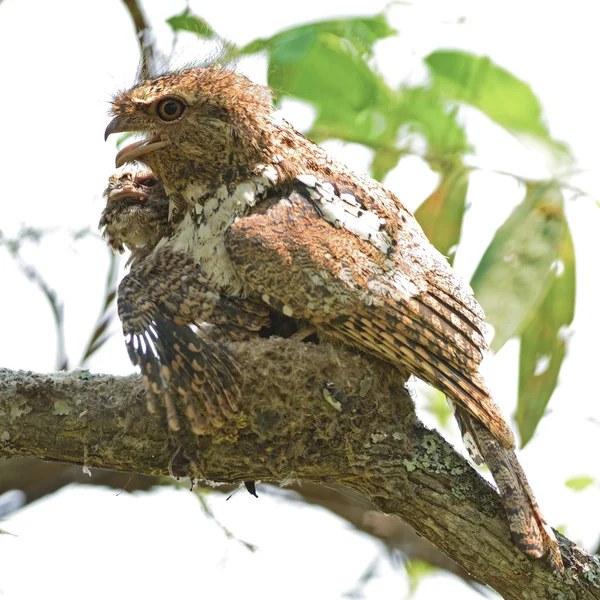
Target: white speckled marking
[[327, 188], [308, 180], [202, 230], [194, 192], [467, 438], [472, 448], [349, 199], [315, 278], [186, 235], [210, 206], [244, 195], [344, 211]]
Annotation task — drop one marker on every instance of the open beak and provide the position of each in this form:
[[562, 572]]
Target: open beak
[[132, 152]]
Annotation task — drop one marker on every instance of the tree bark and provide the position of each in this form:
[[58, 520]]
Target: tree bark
[[309, 413]]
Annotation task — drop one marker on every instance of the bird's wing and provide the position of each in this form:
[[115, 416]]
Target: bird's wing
[[158, 301], [330, 258]]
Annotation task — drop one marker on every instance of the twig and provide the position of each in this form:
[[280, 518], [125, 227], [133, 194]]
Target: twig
[[14, 248], [99, 333], [144, 36], [58, 311]]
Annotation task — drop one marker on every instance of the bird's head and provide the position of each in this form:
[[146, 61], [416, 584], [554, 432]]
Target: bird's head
[[136, 211], [197, 123]]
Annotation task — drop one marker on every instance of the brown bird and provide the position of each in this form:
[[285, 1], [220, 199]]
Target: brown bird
[[268, 216], [136, 214], [171, 284]]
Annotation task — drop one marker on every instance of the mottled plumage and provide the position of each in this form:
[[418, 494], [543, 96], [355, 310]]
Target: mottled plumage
[[157, 302], [267, 215], [164, 294], [136, 212]]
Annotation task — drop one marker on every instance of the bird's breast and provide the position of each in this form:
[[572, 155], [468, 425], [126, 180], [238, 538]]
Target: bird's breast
[[211, 212]]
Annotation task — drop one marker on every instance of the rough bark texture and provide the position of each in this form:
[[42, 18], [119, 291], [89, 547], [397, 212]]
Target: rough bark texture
[[288, 430]]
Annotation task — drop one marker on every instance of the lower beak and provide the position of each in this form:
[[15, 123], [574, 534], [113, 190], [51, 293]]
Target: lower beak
[[137, 149], [125, 192]]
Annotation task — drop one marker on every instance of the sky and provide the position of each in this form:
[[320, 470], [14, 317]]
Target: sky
[[59, 67]]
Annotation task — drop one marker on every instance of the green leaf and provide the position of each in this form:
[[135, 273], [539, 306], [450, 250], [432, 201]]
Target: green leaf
[[186, 21], [416, 571], [504, 98], [425, 112], [411, 110], [327, 65], [363, 32], [580, 482], [328, 71], [437, 405], [543, 342], [441, 215], [511, 280], [384, 160], [123, 138]]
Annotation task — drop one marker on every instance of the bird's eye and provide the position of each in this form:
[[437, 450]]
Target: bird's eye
[[170, 109], [148, 181]]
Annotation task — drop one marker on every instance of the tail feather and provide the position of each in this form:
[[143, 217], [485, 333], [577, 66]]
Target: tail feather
[[528, 528], [428, 361]]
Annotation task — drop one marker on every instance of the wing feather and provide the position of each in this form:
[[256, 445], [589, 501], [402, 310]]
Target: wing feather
[[307, 263]]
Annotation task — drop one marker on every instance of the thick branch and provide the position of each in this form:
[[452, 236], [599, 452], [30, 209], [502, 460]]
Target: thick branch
[[393, 532], [289, 431]]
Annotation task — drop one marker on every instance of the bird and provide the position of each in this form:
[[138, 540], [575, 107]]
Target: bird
[[271, 218], [136, 212], [135, 217]]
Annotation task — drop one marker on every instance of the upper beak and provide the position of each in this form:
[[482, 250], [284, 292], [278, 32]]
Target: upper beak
[[122, 123], [118, 125]]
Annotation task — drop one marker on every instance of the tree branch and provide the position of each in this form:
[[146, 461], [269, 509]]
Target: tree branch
[[37, 479], [395, 534], [144, 35], [289, 430]]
